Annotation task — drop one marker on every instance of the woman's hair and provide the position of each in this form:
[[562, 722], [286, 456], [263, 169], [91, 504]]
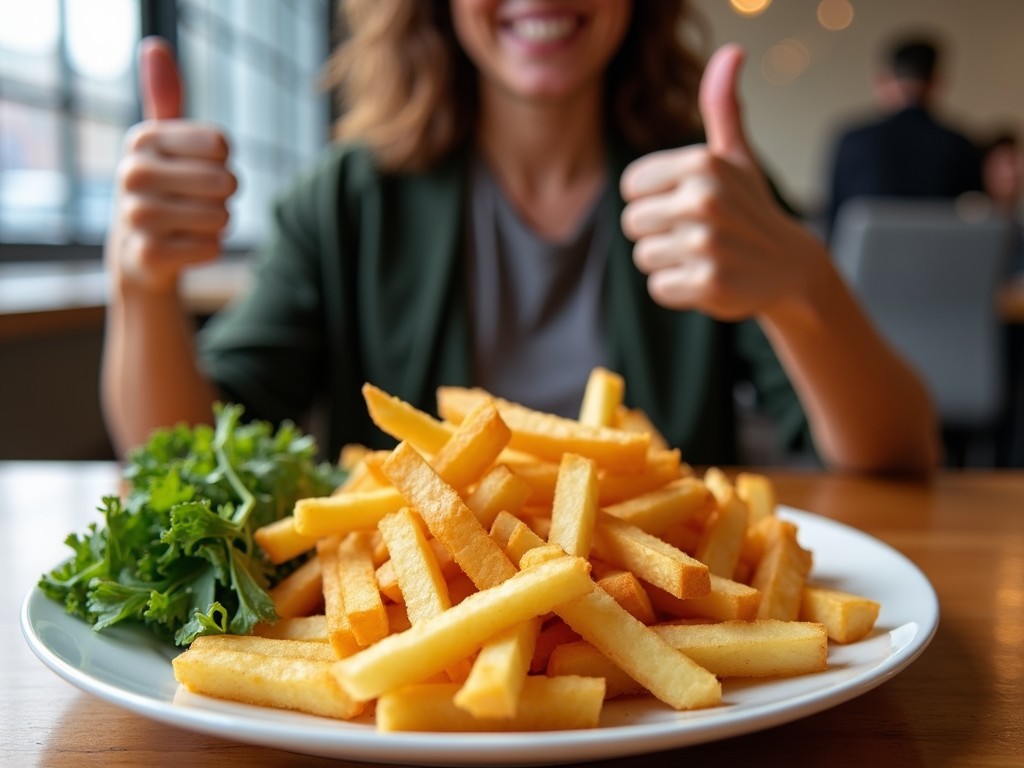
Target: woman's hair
[[408, 91]]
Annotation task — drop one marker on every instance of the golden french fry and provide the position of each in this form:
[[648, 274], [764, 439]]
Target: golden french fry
[[546, 703], [404, 422], [448, 518], [345, 512], [398, 618], [628, 592], [514, 536], [473, 447], [650, 558], [638, 651], [339, 629], [499, 671], [281, 540], [762, 648], [583, 659], [637, 420], [351, 456], [758, 493], [553, 634], [673, 504], [415, 566], [724, 533], [438, 642], [289, 648], [847, 618], [782, 573], [499, 490], [309, 628], [548, 436], [284, 681], [728, 600], [598, 618], [601, 398], [575, 505], [363, 606], [300, 593], [387, 579]]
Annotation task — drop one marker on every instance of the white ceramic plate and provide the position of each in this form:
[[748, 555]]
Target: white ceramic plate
[[126, 667]]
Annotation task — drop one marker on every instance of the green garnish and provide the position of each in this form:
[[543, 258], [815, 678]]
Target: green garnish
[[178, 553]]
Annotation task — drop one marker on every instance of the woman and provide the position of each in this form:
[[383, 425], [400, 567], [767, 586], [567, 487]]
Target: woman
[[466, 230]]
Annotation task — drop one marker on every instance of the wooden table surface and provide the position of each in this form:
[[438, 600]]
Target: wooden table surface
[[960, 704]]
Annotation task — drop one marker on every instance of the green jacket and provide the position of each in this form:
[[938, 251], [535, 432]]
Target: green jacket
[[362, 281]]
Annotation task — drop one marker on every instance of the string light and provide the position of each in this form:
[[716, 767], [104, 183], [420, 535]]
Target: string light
[[750, 7]]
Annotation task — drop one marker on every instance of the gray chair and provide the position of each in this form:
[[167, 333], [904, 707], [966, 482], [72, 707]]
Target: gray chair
[[926, 272]]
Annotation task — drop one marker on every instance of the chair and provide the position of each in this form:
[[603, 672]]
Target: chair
[[926, 272]]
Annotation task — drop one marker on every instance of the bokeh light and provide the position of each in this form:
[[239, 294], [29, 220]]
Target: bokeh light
[[750, 7], [785, 61], [835, 15]]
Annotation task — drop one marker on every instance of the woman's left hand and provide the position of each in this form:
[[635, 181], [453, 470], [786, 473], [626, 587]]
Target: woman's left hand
[[708, 231]]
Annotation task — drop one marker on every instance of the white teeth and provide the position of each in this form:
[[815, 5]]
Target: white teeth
[[543, 30]]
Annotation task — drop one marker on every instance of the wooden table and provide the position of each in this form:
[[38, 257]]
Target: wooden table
[[960, 704], [55, 297]]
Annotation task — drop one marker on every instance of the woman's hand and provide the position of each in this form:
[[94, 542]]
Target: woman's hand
[[173, 185], [711, 237], [707, 229]]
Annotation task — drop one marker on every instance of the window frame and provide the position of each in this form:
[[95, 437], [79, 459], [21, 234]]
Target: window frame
[[156, 17]]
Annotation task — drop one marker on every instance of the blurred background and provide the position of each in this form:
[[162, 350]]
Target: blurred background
[[68, 93]]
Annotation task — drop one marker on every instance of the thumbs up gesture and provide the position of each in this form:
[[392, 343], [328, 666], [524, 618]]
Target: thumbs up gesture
[[707, 229], [173, 184]]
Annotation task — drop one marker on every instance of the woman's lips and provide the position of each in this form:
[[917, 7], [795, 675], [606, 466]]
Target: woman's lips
[[542, 31]]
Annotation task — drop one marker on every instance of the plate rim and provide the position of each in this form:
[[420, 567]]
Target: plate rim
[[360, 742]]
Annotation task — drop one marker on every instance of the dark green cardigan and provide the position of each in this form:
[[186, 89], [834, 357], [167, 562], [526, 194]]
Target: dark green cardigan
[[362, 280]]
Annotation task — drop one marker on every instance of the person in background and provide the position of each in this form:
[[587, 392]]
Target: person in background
[[519, 192], [908, 151], [1003, 177]]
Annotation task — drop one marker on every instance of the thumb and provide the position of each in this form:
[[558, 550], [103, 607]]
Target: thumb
[[720, 107], [159, 81]]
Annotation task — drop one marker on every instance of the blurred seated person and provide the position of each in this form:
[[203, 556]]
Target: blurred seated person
[[1003, 178], [908, 151]]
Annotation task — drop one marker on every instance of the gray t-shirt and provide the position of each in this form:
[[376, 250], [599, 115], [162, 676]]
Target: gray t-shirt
[[537, 306]]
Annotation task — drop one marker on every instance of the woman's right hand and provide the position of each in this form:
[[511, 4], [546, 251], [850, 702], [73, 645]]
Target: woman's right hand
[[173, 184]]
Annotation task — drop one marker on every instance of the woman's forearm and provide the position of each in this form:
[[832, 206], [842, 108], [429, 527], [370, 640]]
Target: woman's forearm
[[868, 410], [149, 377]]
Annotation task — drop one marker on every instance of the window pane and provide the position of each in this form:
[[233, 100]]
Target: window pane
[[33, 191], [101, 42], [251, 66], [29, 35], [99, 147]]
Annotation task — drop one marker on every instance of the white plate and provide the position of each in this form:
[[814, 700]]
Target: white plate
[[126, 667]]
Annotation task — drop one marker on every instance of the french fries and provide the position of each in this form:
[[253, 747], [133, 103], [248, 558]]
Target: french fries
[[506, 569]]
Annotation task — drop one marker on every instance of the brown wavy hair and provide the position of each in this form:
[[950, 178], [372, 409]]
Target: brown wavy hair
[[407, 90]]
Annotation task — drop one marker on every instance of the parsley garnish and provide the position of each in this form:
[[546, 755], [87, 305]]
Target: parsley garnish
[[178, 554]]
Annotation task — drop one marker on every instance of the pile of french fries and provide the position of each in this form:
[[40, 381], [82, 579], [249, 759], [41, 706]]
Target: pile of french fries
[[507, 569]]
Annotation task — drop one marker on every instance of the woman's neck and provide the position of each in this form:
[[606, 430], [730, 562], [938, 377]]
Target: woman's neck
[[549, 158]]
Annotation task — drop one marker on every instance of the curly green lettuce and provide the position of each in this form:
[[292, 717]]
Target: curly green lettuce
[[177, 554]]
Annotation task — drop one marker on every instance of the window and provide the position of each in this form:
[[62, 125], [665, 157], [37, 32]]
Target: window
[[253, 67], [68, 93]]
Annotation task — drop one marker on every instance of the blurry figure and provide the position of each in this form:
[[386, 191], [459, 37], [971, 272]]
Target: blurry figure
[[1003, 178], [1003, 171], [907, 152]]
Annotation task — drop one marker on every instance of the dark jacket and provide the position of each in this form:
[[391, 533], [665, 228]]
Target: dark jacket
[[907, 154], [362, 280]]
